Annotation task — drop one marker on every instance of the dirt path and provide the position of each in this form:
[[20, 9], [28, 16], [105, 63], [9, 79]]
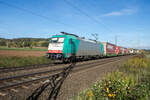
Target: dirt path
[[21, 53]]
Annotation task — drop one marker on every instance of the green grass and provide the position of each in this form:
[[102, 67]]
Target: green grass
[[22, 61], [24, 49]]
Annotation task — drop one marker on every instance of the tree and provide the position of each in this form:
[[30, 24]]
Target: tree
[[11, 44], [31, 44], [23, 44], [3, 43], [45, 44], [19, 44]]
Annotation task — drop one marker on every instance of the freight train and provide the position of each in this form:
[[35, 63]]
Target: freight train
[[64, 47]]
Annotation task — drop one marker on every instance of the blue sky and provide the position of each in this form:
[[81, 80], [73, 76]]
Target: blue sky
[[126, 19]]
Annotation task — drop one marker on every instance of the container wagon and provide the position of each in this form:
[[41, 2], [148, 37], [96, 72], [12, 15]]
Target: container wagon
[[126, 51], [117, 50], [132, 51], [122, 51], [109, 49]]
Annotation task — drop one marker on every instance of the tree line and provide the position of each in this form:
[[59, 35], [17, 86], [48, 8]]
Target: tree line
[[24, 42]]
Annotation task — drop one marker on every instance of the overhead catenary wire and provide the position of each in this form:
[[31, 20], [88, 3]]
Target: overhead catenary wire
[[31, 12], [50, 19], [86, 14]]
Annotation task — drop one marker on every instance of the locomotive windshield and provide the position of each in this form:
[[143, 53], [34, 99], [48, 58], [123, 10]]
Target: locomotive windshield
[[57, 40]]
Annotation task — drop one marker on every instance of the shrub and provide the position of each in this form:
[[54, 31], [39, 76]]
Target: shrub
[[131, 82], [115, 86], [139, 92]]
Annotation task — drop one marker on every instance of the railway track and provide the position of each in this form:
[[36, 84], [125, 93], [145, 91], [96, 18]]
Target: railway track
[[30, 67], [13, 69], [16, 81]]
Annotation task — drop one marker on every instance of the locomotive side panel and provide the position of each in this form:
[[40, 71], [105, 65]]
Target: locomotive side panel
[[87, 48], [70, 48]]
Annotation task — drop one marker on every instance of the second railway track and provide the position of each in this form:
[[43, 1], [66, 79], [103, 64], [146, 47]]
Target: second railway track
[[29, 67], [13, 69]]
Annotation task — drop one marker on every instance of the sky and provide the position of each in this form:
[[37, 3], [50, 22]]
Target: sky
[[127, 20]]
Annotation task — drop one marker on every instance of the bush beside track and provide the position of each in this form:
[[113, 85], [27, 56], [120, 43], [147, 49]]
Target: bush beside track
[[16, 61], [130, 82]]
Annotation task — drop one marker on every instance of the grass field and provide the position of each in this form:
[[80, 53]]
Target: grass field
[[14, 61], [130, 82], [24, 49]]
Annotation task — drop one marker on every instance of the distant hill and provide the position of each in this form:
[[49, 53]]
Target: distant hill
[[26, 39]]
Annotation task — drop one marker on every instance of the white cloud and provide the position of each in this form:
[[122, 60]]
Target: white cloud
[[127, 11]]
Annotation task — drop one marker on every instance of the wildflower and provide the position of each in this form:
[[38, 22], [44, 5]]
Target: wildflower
[[90, 93], [111, 95], [107, 89], [105, 84]]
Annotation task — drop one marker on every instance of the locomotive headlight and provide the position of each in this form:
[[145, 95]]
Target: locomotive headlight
[[47, 55]]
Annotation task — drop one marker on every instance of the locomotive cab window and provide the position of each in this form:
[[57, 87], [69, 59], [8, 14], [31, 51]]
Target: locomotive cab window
[[61, 40], [57, 40], [54, 40]]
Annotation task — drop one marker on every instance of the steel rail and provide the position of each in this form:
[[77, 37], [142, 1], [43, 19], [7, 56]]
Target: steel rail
[[49, 71], [12, 69], [29, 67], [77, 68]]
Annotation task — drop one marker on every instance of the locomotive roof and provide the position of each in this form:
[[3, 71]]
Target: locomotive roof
[[63, 36], [65, 33]]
